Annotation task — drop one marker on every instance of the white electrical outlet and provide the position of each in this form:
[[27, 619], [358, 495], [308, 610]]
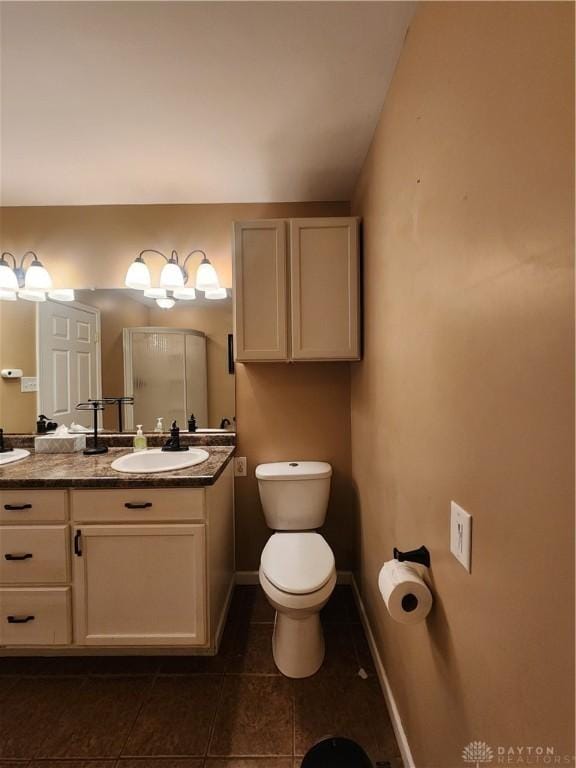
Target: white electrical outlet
[[240, 466], [29, 384], [461, 535]]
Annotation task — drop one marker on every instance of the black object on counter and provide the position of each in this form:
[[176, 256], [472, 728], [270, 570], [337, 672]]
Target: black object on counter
[[192, 423], [3, 448], [173, 442], [95, 406], [44, 425], [336, 752]]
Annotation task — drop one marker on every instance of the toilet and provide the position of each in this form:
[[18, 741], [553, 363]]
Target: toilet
[[297, 567]]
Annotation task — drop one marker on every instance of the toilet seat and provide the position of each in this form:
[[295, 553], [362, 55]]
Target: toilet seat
[[297, 563]]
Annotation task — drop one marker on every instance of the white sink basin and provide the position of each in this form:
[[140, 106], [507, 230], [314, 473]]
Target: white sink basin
[[16, 455], [157, 460]]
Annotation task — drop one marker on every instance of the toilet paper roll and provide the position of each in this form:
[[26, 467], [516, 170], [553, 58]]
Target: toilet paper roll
[[404, 591]]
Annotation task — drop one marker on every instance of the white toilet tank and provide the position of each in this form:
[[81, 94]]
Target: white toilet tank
[[294, 494]]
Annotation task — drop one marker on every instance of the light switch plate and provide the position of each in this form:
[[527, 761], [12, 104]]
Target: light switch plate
[[29, 384], [461, 535], [240, 466]]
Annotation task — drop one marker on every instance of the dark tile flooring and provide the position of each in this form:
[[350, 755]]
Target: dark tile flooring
[[233, 710]]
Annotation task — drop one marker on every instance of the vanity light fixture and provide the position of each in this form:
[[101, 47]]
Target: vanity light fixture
[[216, 293], [32, 283], [173, 278]]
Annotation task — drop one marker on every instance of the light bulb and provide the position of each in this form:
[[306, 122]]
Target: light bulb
[[61, 294], [185, 294], [206, 277], [216, 293], [165, 303], [8, 280], [155, 293], [171, 276], [32, 295], [37, 278], [138, 275], [7, 295]]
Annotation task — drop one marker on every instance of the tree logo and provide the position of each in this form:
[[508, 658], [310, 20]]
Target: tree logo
[[477, 752]]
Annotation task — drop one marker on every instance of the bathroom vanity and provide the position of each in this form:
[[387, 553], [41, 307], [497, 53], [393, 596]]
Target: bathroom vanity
[[97, 561]]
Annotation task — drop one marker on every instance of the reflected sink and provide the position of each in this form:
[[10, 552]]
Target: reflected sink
[[16, 455], [157, 460]]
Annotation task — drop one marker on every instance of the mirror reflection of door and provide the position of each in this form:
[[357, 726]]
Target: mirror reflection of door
[[165, 372], [68, 360]]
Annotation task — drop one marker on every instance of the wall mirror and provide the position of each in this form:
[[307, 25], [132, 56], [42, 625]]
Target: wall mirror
[[117, 342]]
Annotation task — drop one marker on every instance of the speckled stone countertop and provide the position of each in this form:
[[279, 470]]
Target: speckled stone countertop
[[74, 470]]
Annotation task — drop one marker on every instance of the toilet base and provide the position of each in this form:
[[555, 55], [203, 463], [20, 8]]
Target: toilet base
[[298, 644]]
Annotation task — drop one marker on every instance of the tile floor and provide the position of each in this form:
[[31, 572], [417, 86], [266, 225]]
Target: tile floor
[[230, 711]]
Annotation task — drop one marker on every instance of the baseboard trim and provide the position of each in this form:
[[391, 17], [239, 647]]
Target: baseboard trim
[[399, 731], [251, 577]]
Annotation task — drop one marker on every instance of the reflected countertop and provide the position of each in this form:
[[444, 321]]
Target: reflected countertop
[[74, 470]]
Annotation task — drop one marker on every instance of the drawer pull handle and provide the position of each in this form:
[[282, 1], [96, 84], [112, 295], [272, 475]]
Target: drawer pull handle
[[19, 619], [140, 505], [16, 507], [26, 556], [77, 543]]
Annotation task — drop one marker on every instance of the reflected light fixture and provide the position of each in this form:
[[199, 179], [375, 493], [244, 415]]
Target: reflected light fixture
[[216, 294], [32, 282], [173, 278]]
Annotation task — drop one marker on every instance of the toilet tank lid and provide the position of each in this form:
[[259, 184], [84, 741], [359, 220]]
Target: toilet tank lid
[[294, 470]]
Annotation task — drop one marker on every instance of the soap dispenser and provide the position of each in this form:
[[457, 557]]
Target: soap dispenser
[[159, 428], [140, 441], [192, 423]]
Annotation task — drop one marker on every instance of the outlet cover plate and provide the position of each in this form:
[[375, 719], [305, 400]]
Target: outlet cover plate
[[240, 466], [461, 535], [29, 384]]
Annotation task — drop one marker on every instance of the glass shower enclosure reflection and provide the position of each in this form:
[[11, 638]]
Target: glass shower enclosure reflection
[[165, 372]]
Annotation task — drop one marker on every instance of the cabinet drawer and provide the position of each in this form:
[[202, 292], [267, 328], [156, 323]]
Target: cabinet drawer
[[33, 506], [38, 616], [139, 505], [33, 554]]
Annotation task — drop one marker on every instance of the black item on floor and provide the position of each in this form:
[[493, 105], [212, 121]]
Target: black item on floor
[[336, 753]]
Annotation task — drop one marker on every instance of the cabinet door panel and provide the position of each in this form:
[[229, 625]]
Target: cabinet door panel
[[260, 290], [324, 284], [140, 585]]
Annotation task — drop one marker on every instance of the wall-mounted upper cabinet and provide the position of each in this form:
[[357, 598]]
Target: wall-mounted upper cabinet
[[296, 290]]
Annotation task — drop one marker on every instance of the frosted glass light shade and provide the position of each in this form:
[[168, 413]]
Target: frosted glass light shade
[[216, 294], [8, 280], [32, 295], [185, 294], [138, 276], [7, 295], [171, 276], [37, 278], [155, 293], [206, 277], [165, 303], [61, 294]]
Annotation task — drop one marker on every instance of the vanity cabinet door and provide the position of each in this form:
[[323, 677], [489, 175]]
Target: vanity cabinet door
[[139, 585], [260, 290], [324, 285]]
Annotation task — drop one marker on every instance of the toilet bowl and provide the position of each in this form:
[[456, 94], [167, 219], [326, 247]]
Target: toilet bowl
[[297, 567]]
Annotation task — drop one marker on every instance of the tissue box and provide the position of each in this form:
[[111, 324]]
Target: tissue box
[[59, 443]]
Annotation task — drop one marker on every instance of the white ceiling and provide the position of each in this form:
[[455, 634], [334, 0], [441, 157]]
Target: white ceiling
[[191, 102]]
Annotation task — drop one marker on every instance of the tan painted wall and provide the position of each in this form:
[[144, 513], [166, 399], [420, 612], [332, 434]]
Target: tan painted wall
[[283, 411], [466, 390], [17, 350]]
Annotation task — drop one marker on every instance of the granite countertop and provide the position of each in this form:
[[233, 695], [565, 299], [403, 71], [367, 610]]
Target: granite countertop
[[74, 470]]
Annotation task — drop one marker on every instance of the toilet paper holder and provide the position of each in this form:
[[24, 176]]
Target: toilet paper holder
[[420, 555]]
